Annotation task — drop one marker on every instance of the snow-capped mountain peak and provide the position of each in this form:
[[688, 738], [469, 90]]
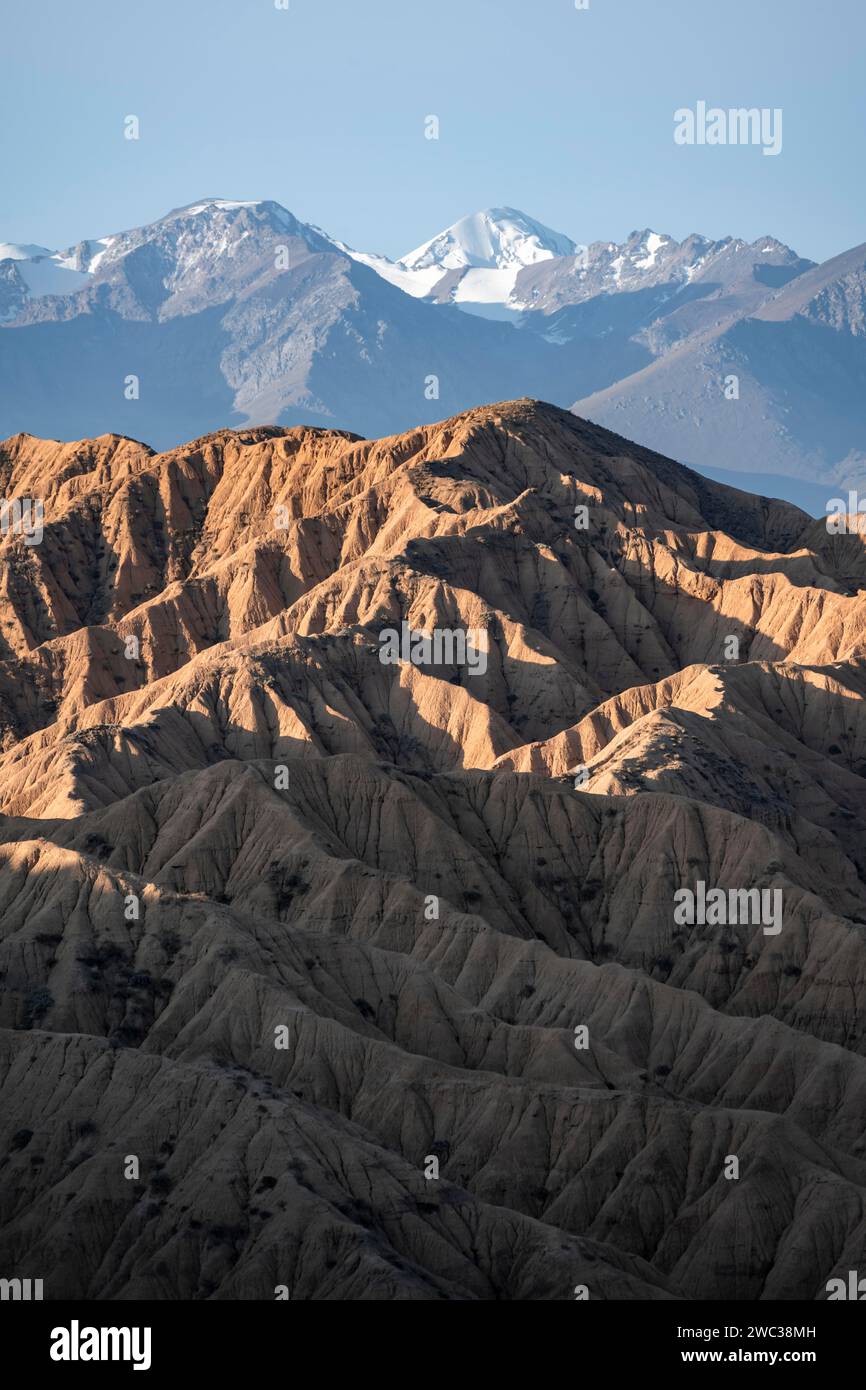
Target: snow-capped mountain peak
[[496, 239], [37, 271], [15, 251], [199, 232], [194, 255], [475, 262]]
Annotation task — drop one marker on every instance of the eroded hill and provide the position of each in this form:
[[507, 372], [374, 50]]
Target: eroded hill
[[285, 923]]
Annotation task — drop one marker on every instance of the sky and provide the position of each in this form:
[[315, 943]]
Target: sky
[[566, 114]]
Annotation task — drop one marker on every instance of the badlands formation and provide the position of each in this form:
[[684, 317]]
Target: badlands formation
[[286, 930]]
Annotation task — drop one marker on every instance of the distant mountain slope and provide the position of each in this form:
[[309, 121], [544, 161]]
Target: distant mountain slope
[[224, 312], [227, 313], [799, 360]]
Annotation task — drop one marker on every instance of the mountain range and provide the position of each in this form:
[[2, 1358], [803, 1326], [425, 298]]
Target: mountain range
[[325, 977], [735, 358]]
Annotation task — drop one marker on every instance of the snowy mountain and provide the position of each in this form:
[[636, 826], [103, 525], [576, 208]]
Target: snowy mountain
[[228, 313], [644, 260], [796, 359], [30, 272], [198, 254], [502, 264], [475, 262], [495, 239], [12, 251], [235, 312]]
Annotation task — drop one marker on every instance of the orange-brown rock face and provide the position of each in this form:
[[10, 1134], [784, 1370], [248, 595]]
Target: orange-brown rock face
[[331, 976]]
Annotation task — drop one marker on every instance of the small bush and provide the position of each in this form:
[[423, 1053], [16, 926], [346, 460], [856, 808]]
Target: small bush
[[38, 1005], [160, 1183]]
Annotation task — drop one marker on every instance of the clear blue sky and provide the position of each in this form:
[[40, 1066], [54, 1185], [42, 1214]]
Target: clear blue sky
[[567, 115]]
